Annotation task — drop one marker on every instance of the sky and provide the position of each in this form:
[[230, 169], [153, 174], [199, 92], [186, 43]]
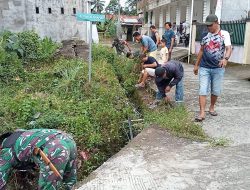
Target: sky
[[122, 2]]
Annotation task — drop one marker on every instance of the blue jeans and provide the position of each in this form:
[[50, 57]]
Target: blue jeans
[[210, 80], [179, 92]]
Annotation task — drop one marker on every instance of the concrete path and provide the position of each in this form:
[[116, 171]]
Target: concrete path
[[155, 160]]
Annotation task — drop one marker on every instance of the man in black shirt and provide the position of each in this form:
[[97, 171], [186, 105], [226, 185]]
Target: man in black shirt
[[155, 35], [167, 76], [149, 64]]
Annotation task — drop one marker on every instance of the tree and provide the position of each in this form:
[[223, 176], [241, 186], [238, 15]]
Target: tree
[[98, 6], [131, 7], [112, 7], [131, 3]]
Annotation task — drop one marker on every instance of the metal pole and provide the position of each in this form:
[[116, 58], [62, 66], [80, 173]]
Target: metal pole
[[90, 50], [118, 21], [130, 129], [190, 32]]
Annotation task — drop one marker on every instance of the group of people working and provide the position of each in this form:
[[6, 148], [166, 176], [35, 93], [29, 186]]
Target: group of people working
[[212, 59], [167, 72]]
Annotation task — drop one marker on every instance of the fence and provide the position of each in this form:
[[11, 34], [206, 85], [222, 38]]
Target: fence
[[236, 30]]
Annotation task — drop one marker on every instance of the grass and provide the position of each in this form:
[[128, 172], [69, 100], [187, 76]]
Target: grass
[[219, 142], [177, 120]]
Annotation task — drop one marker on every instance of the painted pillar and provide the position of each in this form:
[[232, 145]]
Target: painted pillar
[[148, 24], [206, 9], [246, 57], [168, 14], [188, 11], [178, 14], [193, 38], [178, 22], [161, 22], [153, 17]]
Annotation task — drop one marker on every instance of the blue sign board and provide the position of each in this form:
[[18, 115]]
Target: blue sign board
[[90, 17]]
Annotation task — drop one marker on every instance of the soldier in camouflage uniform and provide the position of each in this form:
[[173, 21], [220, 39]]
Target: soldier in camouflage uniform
[[59, 147], [120, 46]]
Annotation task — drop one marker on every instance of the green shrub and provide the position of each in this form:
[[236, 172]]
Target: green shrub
[[29, 42], [11, 68], [59, 96], [29, 46], [47, 49], [49, 119]]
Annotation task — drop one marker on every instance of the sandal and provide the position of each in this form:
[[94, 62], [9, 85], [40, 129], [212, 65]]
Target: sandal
[[139, 85], [213, 113], [199, 119]]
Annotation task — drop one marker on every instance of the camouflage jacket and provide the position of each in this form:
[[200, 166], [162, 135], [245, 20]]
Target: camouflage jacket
[[22, 151], [119, 45]]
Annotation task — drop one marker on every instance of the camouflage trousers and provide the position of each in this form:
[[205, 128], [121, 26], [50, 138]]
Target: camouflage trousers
[[62, 152]]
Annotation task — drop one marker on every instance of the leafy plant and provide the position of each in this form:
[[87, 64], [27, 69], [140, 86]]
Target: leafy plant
[[47, 49], [219, 142], [29, 46], [11, 68], [29, 42]]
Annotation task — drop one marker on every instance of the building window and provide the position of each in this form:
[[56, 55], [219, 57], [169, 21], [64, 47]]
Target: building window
[[49, 10], [37, 10], [62, 10], [74, 11]]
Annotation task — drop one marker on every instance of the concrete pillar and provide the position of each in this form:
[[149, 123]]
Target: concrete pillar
[[178, 14], [206, 9], [188, 11], [161, 22], [153, 17], [178, 22], [168, 14], [193, 38], [246, 57], [148, 24]]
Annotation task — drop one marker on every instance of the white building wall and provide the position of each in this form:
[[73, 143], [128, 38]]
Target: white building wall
[[206, 9], [234, 10], [23, 16], [12, 15], [198, 10]]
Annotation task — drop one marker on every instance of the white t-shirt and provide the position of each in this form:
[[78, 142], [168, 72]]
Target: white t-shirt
[[164, 55]]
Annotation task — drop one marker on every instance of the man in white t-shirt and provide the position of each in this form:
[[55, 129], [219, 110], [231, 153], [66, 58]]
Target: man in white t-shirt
[[211, 62], [163, 52]]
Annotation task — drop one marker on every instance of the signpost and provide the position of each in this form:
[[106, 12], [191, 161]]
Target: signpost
[[91, 18]]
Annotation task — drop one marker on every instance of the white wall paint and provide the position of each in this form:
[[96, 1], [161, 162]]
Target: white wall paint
[[234, 10], [21, 15]]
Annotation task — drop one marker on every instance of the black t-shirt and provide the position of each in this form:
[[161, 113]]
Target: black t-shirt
[[151, 60]]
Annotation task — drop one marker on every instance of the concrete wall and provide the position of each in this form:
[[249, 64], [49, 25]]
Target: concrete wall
[[198, 10], [234, 10], [246, 59], [19, 15], [12, 15]]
